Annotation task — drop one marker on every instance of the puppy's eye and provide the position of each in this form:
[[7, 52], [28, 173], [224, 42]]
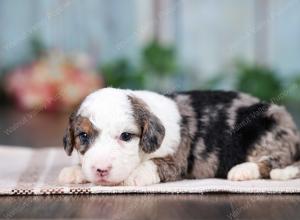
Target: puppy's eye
[[84, 138], [125, 136]]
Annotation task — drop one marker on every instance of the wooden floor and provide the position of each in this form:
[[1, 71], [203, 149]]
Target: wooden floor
[[40, 130], [211, 206]]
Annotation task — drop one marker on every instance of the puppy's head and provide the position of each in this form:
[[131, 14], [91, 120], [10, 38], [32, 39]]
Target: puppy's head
[[111, 131]]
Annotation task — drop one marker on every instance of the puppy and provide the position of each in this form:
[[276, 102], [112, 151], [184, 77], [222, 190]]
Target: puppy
[[140, 138]]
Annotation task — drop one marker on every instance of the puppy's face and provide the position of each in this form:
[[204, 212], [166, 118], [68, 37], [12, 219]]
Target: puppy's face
[[111, 132]]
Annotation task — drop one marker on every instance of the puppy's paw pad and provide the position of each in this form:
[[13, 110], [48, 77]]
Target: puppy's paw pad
[[287, 173], [71, 175], [145, 174], [244, 171]]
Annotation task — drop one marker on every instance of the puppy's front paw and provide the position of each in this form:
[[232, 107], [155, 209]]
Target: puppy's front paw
[[145, 174], [71, 175], [244, 171]]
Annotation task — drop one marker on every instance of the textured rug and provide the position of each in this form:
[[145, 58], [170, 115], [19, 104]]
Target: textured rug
[[34, 172]]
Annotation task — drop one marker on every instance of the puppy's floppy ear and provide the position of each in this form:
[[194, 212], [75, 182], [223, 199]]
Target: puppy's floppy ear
[[153, 133], [69, 139], [152, 129]]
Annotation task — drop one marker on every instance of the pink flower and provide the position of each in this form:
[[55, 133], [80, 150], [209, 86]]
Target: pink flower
[[51, 84]]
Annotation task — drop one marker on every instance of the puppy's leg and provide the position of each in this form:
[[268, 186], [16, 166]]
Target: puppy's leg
[[71, 174], [244, 171], [256, 169], [252, 170], [154, 171]]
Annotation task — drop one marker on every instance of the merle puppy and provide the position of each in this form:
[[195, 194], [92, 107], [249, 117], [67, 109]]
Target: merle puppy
[[140, 138]]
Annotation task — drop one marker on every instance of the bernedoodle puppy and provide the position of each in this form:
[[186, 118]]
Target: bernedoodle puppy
[[126, 137]]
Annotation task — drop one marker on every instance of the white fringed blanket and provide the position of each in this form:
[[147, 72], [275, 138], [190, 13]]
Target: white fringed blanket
[[34, 172]]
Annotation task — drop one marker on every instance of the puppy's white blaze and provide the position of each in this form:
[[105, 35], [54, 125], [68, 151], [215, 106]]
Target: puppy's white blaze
[[107, 108], [286, 173], [80, 157], [122, 160]]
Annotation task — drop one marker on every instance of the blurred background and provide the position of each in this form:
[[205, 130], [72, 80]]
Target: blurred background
[[54, 52]]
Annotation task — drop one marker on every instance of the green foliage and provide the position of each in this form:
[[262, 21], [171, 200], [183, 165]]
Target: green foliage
[[259, 81], [159, 59], [38, 47], [121, 73], [293, 90], [215, 83]]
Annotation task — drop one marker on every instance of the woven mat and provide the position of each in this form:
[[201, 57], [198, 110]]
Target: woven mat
[[34, 172]]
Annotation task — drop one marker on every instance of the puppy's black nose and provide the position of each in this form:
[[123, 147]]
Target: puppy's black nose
[[102, 173]]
